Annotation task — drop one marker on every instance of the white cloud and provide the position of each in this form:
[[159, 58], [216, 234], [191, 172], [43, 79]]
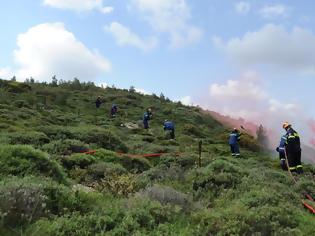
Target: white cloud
[[245, 89], [260, 108], [142, 91], [242, 7], [246, 97], [171, 17], [272, 11], [79, 5], [124, 36], [256, 105], [102, 85], [6, 73], [49, 49], [187, 100], [107, 10], [274, 46]]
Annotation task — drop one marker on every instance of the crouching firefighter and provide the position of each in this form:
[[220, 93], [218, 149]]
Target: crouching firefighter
[[235, 137], [281, 151], [293, 148], [113, 110], [169, 125]]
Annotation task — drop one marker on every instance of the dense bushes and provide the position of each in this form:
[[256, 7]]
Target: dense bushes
[[240, 220], [132, 164], [112, 193], [88, 134], [166, 195], [30, 137], [64, 147], [102, 169], [25, 200], [193, 130], [217, 176], [137, 217], [21, 160]]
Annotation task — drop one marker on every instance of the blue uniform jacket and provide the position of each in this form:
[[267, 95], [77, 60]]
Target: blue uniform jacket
[[146, 117], [281, 147], [234, 138], [168, 125]]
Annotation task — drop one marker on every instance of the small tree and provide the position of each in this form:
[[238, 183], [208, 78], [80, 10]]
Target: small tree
[[132, 89], [162, 97], [262, 137], [54, 81]]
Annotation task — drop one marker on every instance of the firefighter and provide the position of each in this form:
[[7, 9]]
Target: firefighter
[[292, 148], [113, 110], [98, 102], [169, 125], [146, 117], [234, 138], [281, 150]]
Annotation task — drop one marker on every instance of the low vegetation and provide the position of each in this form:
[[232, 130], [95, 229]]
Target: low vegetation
[[50, 186]]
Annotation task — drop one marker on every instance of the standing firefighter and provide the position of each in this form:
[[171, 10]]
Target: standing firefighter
[[281, 150], [98, 102], [235, 136], [146, 117], [113, 110], [292, 148], [169, 125]]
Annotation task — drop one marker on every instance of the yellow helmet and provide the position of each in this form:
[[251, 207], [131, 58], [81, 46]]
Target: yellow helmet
[[286, 125]]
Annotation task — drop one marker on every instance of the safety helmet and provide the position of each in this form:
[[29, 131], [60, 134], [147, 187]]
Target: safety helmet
[[286, 125]]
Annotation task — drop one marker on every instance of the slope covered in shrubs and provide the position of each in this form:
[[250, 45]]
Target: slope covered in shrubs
[[48, 187]]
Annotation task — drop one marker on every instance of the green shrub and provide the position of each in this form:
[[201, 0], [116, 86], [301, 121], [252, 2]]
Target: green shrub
[[119, 185], [64, 147], [185, 162], [192, 130], [21, 202], [21, 103], [15, 87], [78, 160], [138, 217], [164, 172], [22, 160], [28, 137], [135, 164], [91, 135], [25, 200], [102, 169], [106, 155], [217, 176], [239, 220], [166, 195], [250, 143]]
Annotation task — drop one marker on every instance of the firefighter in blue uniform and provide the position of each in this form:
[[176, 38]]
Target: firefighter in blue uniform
[[98, 102], [293, 148], [146, 117], [281, 151], [169, 125], [234, 138], [113, 110]]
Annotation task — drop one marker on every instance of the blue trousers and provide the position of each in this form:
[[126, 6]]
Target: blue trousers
[[145, 124], [235, 148]]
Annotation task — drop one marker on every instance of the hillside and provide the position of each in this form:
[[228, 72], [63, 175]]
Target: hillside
[[48, 188], [308, 154]]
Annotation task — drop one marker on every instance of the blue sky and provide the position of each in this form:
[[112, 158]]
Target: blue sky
[[254, 59]]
